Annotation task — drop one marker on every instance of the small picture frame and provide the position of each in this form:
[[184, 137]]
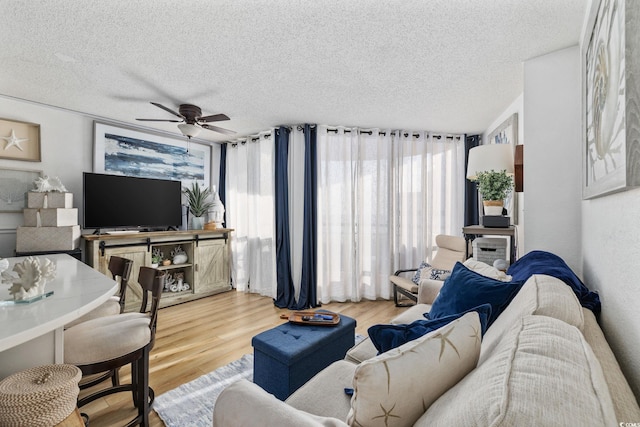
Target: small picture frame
[[14, 186], [19, 140]]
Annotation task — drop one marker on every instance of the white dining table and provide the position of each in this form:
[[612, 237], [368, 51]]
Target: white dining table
[[32, 334]]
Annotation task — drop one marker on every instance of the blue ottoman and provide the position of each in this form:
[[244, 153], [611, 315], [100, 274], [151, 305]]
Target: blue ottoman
[[288, 356]]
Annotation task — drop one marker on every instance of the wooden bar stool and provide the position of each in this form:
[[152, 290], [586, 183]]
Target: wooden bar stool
[[120, 269], [110, 342]]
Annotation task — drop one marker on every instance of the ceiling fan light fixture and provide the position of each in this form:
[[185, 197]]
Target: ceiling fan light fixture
[[189, 130]]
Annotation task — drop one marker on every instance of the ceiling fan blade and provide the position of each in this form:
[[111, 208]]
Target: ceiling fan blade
[[160, 120], [167, 109], [213, 118], [218, 129]]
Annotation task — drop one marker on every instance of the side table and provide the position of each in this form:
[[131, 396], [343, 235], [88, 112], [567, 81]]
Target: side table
[[470, 232]]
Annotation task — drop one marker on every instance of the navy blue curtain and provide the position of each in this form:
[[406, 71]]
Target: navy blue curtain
[[285, 296], [471, 214], [222, 180], [308, 288]]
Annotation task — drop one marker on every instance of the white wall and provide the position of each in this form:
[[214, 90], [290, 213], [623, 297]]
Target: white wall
[[610, 233], [598, 238], [66, 140], [552, 159]]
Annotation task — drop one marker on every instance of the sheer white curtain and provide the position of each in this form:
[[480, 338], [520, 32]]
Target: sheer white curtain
[[428, 193], [250, 210], [382, 199], [354, 214]]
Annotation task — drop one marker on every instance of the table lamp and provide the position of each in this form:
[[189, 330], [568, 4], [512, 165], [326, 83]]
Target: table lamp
[[492, 166]]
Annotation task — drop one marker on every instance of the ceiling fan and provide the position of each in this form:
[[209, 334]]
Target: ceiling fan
[[191, 120]]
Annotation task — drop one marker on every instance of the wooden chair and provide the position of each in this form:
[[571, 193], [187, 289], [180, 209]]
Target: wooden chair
[[108, 343], [120, 268], [451, 249]]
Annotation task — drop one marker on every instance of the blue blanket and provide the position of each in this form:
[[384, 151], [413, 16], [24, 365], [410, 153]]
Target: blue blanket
[[541, 262]]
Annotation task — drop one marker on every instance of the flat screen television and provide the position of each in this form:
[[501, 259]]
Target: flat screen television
[[116, 201]]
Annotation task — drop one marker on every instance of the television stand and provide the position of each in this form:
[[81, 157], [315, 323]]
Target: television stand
[[118, 232], [206, 270]]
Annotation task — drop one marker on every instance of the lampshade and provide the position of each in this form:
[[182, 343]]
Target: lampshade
[[489, 157], [189, 130]]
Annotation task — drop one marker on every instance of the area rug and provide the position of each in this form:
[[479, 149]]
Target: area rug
[[191, 404]]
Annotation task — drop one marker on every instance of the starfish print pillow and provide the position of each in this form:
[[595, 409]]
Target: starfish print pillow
[[395, 388]]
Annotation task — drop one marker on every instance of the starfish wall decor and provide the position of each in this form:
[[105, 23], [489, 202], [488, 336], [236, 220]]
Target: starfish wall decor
[[19, 140], [13, 140]]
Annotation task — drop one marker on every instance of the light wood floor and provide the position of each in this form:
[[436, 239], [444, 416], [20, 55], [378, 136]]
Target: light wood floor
[[197, 337]]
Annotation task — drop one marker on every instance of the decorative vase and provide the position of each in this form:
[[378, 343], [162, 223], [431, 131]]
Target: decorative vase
[[217, 211], [154, 265], [493, 207], [197, 223]]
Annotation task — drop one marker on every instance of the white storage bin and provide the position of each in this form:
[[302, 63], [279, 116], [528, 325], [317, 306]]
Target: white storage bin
[[487, 249]]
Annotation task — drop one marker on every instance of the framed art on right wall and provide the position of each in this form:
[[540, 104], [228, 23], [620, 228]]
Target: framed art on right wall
[[611, 98]]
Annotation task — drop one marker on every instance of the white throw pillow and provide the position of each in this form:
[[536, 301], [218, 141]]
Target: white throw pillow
[[395, 388], [486, 270], [245, 404]]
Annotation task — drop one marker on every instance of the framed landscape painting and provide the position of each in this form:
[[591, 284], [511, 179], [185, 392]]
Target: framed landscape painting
[[130, 152], [611, 96]]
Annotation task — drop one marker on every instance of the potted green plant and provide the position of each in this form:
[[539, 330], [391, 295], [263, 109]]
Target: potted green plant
[[198, 204], [494, 188], [156, 257]]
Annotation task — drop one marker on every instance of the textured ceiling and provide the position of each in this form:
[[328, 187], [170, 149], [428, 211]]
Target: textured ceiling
[[439, 65]]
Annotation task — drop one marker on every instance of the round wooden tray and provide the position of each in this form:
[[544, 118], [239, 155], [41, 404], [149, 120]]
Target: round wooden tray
[[317, 318]]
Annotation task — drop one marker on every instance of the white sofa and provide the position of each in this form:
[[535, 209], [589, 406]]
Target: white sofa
[[543, 362]]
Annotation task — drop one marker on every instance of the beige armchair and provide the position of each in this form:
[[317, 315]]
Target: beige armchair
[[450, 250]]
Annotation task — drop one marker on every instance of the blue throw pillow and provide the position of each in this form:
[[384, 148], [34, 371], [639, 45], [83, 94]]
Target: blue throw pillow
[[386, 337], [416, 277], [439, 274], [465, 289]]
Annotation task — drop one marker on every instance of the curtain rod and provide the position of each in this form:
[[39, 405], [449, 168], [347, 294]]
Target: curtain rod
[[249, 139], [335, 130], [406, 134]]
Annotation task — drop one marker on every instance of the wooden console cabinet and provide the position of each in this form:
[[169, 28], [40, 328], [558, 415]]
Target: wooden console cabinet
[[206, 270]]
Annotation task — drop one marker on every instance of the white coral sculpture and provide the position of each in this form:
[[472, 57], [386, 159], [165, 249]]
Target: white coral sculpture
[[31, 278], [178, 255], [46, 184]]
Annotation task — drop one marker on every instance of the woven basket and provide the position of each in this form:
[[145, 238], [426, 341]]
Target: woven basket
[[40, 396]]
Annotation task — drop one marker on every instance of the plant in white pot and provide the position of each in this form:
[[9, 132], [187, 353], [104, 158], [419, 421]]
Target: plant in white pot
[[494, 188], [156, 257], [198, 204]]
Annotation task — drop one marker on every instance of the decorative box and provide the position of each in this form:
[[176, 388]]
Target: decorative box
[[54, 217], [49, 200], [34, 239], [487, 249]]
